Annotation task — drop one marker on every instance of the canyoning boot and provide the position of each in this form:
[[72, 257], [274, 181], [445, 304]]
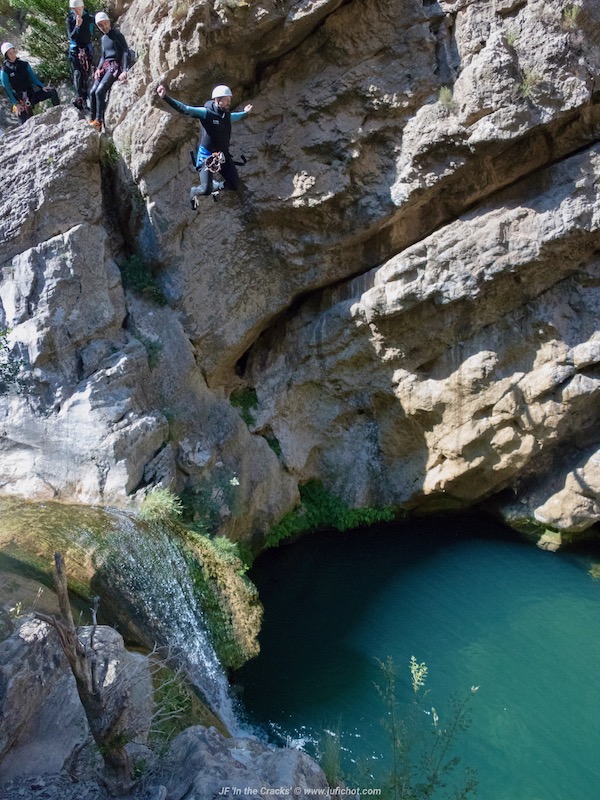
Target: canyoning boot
[[195, 194], [95, 124]]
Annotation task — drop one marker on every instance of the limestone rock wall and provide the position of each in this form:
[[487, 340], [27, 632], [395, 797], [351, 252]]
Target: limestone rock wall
[[464, 363], [109, 400], [408, 278]]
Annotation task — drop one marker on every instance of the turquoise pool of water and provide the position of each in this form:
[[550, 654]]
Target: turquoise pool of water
[[472, 601]]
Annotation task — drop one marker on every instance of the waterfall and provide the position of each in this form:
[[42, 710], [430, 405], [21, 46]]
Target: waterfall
[[140, 572], [148, 568]]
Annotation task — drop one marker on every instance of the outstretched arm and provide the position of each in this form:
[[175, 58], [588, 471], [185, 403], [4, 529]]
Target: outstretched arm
[[198, 112], [235, 115]]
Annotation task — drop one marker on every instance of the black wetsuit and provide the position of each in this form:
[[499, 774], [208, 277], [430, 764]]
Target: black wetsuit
[[114, 61], [80, 53]]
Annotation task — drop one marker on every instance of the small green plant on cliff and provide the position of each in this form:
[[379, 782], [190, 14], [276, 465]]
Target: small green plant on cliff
[[137, 277], [9, 365], [273, 443], [109, 155], [246, 401], [211, 502], [153, 350], [570, 18], [528, 84], [176, 705], [230, 553], [45, 35], [447, 101], [321, 509], [330, 756], [161, 505]]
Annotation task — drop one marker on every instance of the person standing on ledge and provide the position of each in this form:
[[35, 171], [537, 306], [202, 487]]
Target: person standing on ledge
[[215, 119], [112, 67], [80, 26], [23, 87]]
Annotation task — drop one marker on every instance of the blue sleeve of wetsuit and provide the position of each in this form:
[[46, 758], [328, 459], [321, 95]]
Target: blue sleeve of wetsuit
[[33, 77], [8, 88], [235, 115], [198, 112]]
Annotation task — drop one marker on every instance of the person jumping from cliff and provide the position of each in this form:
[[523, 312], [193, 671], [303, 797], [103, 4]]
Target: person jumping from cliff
[[214, 162], [80, 26], [112, 67], [23, 87]]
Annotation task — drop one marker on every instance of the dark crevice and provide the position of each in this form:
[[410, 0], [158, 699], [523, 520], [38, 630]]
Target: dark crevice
[[112, 216], [447, 56], [123, 210], [512, 11], [263, 67]]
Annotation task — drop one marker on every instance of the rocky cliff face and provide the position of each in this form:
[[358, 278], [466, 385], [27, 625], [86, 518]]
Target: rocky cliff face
[[408, 280]]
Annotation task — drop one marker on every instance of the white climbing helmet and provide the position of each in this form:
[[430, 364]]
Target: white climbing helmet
[[6, 47], [101, 16], [76, 3], [221, 91]]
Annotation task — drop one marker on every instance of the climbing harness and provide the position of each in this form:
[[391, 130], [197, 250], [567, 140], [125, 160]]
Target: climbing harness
[[212, 180], [84, 60], [214, 161], [23, 106]]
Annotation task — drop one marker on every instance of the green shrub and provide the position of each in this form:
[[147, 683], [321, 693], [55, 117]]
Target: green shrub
[[330, 756], [161, 505], [528, 84], [321, 509], [273, 443], [570, 18], [176, 705], [230, 553], [421, 744], [207, 503], [9, 365], [137, 277], [153, 350], [447, 99], [246, 402], [109, 155]]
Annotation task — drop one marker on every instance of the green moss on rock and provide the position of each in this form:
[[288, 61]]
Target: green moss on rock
[[230, 601]]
